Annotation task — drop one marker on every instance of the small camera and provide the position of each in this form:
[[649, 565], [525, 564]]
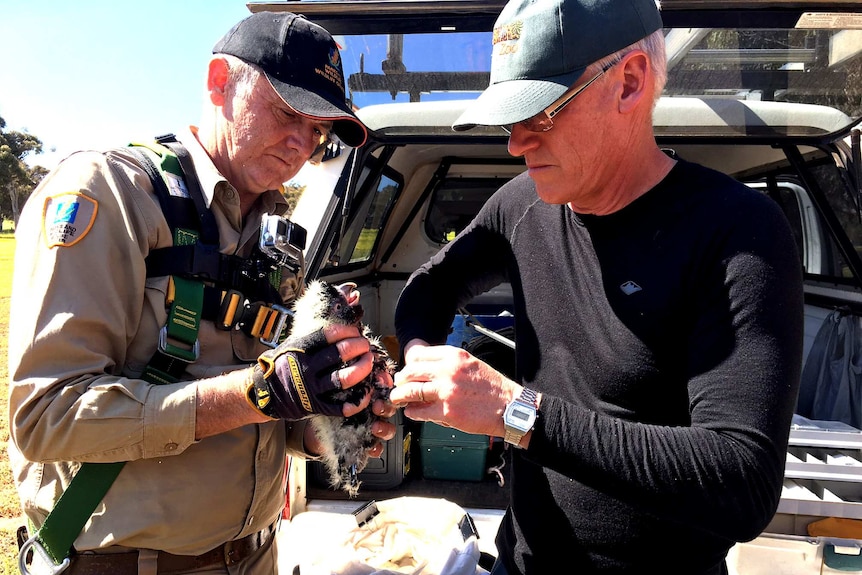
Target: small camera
[[282, 240]]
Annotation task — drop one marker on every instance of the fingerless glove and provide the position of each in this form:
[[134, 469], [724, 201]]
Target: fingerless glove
[[297, 379]]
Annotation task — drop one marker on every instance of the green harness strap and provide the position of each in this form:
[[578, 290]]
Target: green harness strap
[[71, 512], [178, 340], [53, 542], [184, 319], [92, 481]]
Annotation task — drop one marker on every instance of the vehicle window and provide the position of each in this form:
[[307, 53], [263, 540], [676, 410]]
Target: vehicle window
[[454, 203], [820, 255], [400, 68], [368, 215], [846, 207], [782, 65], [808, 61]]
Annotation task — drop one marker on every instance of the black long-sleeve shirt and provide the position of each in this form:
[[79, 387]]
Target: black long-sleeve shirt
[[667, 341]]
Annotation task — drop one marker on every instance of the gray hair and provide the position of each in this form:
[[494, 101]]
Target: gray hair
[[241, 74], [654, 47]]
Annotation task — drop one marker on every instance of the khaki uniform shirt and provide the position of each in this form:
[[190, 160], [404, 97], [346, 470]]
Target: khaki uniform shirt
[[85, 321]]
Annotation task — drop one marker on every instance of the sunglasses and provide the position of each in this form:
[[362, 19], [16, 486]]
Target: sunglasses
[[544, 120]]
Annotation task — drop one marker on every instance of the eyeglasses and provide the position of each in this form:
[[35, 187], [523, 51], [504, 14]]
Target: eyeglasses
[[544, 120], [327, 142], [325, 138]]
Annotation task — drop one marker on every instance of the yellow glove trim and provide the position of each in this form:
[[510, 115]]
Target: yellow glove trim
[[258, 400], [267, 365], [298, 383]]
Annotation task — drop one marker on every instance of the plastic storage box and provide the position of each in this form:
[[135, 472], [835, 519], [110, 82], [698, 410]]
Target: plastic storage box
[[451, 454]]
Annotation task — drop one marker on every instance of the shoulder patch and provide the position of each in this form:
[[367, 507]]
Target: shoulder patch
[[67, 217]]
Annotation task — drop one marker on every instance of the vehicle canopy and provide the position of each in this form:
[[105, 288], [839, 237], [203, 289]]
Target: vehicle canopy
[[772, 79], [782, 51]]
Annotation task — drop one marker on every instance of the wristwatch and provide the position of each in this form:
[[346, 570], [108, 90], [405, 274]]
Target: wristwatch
[[520, 416]]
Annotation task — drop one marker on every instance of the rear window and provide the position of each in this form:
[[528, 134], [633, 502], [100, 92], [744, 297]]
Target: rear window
[[454, 203]]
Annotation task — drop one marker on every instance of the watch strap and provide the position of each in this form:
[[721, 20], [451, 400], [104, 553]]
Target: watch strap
[[513, 436], [527, 397]]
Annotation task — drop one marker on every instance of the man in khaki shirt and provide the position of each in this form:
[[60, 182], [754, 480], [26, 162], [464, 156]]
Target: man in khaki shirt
[[204, 480]]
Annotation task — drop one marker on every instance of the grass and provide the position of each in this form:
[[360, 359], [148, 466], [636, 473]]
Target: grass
[[10, 511]]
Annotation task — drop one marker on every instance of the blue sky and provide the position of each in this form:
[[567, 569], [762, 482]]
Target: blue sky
[[100, 73], [95, 74]]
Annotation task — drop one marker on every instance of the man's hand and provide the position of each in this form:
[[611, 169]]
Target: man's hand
[[298, 378], [447, 385]]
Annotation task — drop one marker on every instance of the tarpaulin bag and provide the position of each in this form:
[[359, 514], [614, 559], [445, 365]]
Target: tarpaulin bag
[[404, 535], [831, 385]]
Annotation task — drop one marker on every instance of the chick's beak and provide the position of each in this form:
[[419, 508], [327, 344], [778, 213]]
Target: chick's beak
[[351, 294]]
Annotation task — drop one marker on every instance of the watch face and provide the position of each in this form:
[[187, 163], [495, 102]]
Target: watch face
[[520, 416]]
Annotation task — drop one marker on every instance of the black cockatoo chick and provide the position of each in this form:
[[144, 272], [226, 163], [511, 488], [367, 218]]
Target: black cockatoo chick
[[345, 440]]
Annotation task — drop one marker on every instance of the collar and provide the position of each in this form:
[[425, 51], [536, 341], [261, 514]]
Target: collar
[[273, 201], [208, 176]]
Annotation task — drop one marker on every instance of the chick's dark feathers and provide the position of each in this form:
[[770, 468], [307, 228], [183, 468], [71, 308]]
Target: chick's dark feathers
[[345, 440]]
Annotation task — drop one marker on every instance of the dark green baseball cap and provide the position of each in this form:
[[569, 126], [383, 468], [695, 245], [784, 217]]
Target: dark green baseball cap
[[541, 48]]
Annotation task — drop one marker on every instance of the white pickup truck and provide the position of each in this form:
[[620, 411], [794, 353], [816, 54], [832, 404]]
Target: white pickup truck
[[769, 92]]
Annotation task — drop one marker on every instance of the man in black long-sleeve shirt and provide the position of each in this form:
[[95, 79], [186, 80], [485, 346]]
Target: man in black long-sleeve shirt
[[658, 309]]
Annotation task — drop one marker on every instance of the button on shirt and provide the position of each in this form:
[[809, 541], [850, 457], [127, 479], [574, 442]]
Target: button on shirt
[[84, 324]]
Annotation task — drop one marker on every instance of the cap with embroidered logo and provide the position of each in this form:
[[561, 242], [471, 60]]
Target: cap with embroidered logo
[[541, 48], [302, 62]]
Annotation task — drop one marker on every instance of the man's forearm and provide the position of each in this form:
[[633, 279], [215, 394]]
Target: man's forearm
[[222, 404]]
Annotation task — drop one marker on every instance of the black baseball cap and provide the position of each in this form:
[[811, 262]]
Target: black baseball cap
[[302, 62], [541, 48]]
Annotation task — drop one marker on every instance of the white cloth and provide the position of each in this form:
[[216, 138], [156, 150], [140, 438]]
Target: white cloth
[[410, 535]]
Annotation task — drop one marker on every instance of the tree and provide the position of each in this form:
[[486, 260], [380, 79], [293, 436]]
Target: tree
[[292, 192], [17, 179]]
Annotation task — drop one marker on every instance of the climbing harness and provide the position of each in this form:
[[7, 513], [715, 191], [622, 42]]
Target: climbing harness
[[204, 284]]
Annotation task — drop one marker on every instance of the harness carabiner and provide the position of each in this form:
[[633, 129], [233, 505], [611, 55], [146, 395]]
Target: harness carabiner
[[271, 336], [47, 564], [176, 352]]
